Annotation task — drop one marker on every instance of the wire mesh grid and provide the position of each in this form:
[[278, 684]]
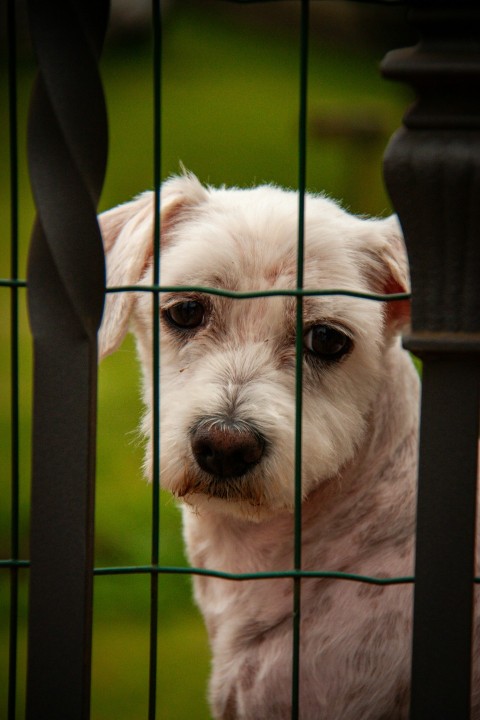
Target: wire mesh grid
[[296, 573], [155, 569]]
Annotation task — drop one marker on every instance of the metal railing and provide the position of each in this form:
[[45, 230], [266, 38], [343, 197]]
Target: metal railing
[[432, 171]]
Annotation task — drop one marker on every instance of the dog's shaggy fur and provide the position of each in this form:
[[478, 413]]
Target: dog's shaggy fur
[[227, 436]]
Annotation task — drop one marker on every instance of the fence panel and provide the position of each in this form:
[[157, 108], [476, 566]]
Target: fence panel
[[432, 170]]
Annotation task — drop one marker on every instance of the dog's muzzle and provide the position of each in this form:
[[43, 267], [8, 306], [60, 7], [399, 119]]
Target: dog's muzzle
[[224, 448]]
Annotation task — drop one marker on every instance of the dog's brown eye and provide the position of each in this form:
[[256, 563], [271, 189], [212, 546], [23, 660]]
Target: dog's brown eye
[[327, 342], [187, 315]]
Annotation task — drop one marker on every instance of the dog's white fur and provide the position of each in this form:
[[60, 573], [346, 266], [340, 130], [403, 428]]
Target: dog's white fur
[[360, 418]]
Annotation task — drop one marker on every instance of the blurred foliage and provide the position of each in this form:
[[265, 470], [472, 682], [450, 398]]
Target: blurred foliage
[[230, 106]]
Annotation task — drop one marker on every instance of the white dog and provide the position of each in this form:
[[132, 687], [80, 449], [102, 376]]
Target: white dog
[[227, 436]]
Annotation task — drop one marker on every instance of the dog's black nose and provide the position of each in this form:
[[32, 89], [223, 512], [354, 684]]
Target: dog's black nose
[[226, 450]]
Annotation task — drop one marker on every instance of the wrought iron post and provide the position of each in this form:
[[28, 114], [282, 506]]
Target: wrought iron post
[[67, 146], [432, 170]]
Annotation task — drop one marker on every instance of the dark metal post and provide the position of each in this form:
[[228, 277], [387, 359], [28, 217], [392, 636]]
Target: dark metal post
[[432, 170], [67, 147]]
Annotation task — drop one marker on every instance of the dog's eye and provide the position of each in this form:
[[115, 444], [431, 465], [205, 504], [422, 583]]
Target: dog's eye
[[327, 342], [187, 315]]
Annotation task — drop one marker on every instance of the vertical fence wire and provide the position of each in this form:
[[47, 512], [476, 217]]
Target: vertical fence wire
[[302, 173], [155, 549], [14, 359]]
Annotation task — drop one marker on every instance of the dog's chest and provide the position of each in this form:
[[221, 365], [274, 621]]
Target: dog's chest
[[349, 636], [349, 633]]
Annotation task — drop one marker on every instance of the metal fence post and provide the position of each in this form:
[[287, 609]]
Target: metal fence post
[[432, 170], [67, 156]]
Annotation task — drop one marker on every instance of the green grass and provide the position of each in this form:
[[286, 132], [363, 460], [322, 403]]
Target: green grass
[[120, 653], [230, 101], [230, 96]]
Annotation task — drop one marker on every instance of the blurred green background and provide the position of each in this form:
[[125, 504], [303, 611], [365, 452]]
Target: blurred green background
[[230, 106]]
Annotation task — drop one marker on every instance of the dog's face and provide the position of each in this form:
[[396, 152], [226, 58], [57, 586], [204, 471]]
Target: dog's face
[[228, 365]]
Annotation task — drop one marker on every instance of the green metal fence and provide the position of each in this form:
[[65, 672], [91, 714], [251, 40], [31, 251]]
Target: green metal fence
[[67, 159]]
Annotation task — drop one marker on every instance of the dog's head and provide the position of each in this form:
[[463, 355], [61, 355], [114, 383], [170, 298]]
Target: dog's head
[[227, 394]]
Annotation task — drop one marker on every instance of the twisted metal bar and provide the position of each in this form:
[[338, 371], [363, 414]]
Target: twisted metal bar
[[67, 148]]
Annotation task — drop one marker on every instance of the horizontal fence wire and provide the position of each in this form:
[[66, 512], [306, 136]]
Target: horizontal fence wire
[[10, 563], [239, 295], [13, 283], [274, 575], [234, 294], [166, 570]]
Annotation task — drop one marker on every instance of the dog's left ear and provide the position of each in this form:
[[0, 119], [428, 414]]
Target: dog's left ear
[[127, 232], [387, 271]]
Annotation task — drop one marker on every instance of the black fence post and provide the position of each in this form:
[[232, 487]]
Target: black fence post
[[67, 146], [432, 170]]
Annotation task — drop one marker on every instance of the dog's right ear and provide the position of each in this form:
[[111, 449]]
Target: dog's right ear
[[384, 263], [127, 232]]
